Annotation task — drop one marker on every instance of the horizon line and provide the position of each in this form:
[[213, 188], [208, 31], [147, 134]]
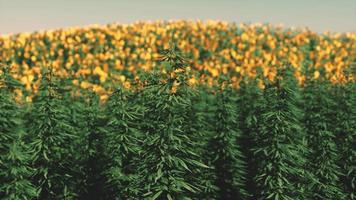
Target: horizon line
[[249, 23]]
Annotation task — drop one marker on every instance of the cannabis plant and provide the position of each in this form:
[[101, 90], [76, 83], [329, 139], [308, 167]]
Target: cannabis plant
[[345, 132], [51, 134], [228, 161], [15, 171], [249, 106], [323, 159], [122, 138], [281, 147], [169, 159]]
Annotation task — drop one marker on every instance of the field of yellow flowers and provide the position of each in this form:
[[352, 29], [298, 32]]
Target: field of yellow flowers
[[97, 57]]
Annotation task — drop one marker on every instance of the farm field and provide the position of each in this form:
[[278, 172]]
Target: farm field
[[104, 56], [178, 110]]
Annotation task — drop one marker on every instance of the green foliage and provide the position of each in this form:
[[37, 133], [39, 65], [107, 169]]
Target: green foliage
[[228, 160], [169, 161], [15, 171], [51, 135], [249, 106], [165, 139], [344, 127], [202, 122], [121, 144], [90, 148], [280, 142], [318, 115]]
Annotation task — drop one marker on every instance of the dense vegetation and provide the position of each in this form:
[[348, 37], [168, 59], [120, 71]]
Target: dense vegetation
[[98, 56], [165, 139]]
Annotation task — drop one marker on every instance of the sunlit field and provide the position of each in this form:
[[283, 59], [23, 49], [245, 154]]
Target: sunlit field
[[101, 57], [178, 110]]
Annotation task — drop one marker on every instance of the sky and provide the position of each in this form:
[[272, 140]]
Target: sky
[[319, 15]]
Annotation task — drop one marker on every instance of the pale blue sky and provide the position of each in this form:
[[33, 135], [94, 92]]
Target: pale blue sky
[[318, 15]]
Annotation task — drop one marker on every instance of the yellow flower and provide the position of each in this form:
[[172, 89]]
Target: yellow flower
[[214, 72], [192, 81], [244, 37], [85, 85], [127, 85], [103, 98], [102, 75], [316, 74], [98, 89], [122, 78], [174, 89], [237, 69], [33, 58], [261, 85], [28, 99]]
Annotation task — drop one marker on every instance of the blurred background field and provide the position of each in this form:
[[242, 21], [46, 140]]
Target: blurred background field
[[102, 57]]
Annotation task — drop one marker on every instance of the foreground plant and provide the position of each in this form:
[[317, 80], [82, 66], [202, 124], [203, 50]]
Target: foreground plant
[[91, 123], [323, 159], [51, 145], [15, 171], [169, 159], [280, 141], [228, 159], [121, 144], [249, 107], [344, 127]]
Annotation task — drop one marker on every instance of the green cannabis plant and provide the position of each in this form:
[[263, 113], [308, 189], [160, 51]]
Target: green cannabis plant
[[15, 166]]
